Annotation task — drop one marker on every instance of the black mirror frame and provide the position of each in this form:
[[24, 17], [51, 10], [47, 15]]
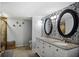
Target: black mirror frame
[[75, 19], [45, 26]]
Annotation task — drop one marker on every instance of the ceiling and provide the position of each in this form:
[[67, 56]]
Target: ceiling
[[30, 9]]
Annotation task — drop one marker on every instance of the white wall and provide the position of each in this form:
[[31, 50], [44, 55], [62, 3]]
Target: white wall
[[19, 34], [36, 30]]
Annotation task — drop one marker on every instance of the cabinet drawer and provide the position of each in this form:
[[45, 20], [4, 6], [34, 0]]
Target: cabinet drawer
[[60, 52], [40, 48], [45, 49], [53, 51], [49, 50]]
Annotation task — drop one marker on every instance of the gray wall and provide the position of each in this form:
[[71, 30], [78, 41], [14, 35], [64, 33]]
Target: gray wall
[[19, 34]]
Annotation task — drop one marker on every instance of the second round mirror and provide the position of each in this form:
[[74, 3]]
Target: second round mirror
[[48, 26], [66, 23]]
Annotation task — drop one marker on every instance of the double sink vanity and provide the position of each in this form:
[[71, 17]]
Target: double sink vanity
[[47, 47]]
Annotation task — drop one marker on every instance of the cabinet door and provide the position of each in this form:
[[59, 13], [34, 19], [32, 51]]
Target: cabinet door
[[73, 52], [58, 52], [42, 49], [53, 51], [49, 50], [61, 52], [37, 45], [39, 48], [67, 53]]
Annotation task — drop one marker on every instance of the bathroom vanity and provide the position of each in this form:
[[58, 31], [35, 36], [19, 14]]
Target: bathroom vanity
[[47, 47]]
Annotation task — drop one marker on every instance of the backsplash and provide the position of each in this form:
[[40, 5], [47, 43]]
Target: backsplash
[[55, 34]]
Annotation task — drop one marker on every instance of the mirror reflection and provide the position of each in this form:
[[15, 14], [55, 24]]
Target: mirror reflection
[[66, 23]]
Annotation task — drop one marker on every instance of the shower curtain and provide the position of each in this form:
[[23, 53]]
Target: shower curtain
[[3, 34]]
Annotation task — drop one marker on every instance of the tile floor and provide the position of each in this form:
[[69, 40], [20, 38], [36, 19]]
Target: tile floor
[[19, 52]]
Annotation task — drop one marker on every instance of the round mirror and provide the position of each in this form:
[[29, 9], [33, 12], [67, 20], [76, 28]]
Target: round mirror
[[67, 23], [48, 26]]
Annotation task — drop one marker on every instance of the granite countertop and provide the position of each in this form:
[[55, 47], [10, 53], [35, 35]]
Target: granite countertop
[[59, 43]]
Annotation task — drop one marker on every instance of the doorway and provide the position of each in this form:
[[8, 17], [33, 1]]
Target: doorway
[[20, 31]]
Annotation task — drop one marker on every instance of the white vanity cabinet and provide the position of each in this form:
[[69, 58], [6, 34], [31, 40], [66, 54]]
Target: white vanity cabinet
[[53, 51], [49, 48], [45, 49], [40, 48]]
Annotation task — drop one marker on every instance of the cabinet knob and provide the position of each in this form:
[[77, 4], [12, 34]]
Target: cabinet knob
[[49, 46], [43, 42], [43, 47], [37, 47], [56, 49], [42, 51]]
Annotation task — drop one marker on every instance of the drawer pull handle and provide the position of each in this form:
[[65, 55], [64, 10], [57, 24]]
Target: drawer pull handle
[[43, 43], [43, 47], [42, 51], [56, 49], [37, 47], [49, 46]]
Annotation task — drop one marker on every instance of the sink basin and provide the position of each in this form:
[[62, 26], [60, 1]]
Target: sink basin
[[60, 43]]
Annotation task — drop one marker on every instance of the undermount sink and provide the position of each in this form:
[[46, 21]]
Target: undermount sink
[[60, 43]]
